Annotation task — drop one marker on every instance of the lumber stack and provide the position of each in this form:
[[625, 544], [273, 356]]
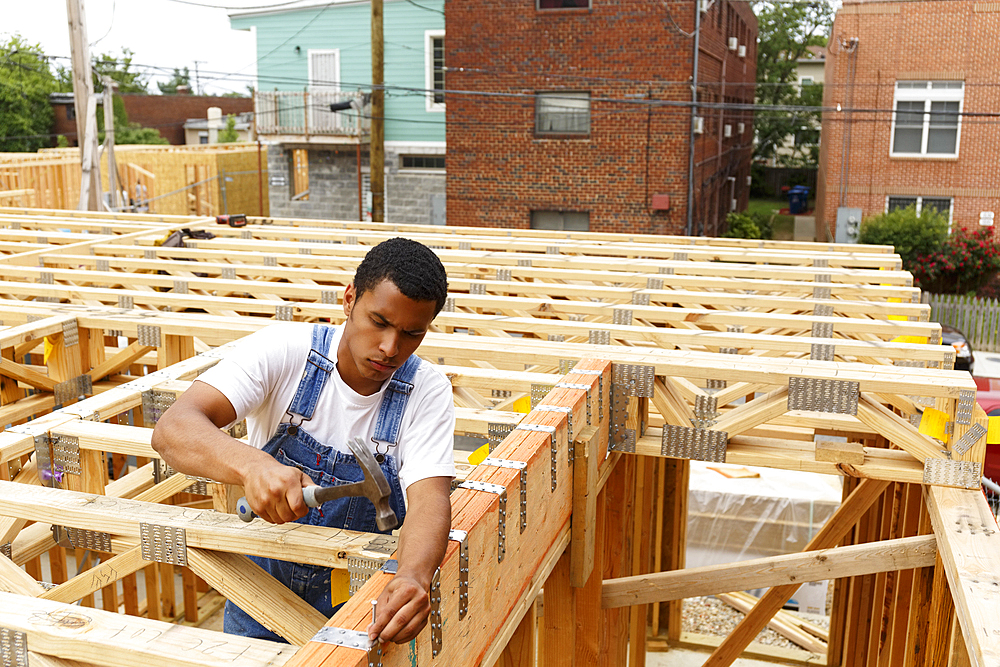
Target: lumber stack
[[602, 363]]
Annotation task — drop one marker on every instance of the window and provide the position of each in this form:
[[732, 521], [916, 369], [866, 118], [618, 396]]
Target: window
[[423, 162], [561, 221], [806, 81], [562, 113], [926, 120], [434, 69], [940, 204], [70, 112], [203, 137], [564, 4]]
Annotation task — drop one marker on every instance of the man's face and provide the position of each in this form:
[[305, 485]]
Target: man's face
[[383, 328]]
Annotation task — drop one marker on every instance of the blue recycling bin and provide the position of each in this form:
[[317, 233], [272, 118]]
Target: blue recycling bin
[[798, 199]]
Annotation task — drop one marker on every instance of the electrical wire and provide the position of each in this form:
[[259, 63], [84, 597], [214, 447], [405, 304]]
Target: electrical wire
[[114, 4]]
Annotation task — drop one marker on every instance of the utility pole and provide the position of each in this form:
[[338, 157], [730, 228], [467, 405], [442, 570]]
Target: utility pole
[[86, 108], [377, 142], [197, 84], [109, 140]]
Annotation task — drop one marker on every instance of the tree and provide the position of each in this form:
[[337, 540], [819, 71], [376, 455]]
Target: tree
[[126, 132], [229, 134], [786, 31], [26, 80], [119, 69], [180, 78], [914, 236]]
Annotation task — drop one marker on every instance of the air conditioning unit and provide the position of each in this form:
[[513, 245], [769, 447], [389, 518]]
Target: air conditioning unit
[[741, 128], [727, 131], [742, 52], [699, 125], [734, 43]]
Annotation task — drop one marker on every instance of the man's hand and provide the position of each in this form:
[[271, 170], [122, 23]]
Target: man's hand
[[402, 611], [274, 491]]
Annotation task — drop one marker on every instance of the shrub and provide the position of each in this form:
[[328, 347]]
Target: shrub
[[741, 226], [763, 221], [758, 183], [914, 236], [964, 263]]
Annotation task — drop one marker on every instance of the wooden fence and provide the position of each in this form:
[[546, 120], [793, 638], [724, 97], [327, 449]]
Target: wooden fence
[[978, 319]]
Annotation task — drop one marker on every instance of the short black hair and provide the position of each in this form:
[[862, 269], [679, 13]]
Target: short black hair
[[411, 266]]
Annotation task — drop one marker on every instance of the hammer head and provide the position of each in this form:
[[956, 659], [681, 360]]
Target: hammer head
[[375, 487]]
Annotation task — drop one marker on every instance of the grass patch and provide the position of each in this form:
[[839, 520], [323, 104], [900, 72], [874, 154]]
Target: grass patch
[[783, 227], [766, 205]]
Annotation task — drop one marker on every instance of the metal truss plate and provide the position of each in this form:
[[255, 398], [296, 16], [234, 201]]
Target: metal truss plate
[[636, 378], [822, 292], [163, 544], [599, 337], [43, 459], [680, 256], [303, 250], [915, 419], [148, 335], [500, 393], [694, 443], [228, 273], [66, 454], [78, 538], [501, 491], [971, 437], [351, 239], [715, 385], [465, 245], [821, 263], [5, 549], [524, 262], [360, 569], [621, 439], [552, 250], [154, 404], [621, 317], [523, 468], [71, 333], [13, 648], [822, 330], [496, 433], [46, 278], [706, 409], [72, 390], [909, 363], [823, 278], [181, 287], [729, 350], [461, 537], [539, 392], [126, 302], [735, 328], [449, 305], [246, 234], [566, 365], [435, 620], [238, 430], [477, 288], [965, 474], [667, 270], [654, 283], [821, 395], [284, 313], [557, 338], [553, 447], [270, 260], [823, 310], [148, 254], [328, 297], [822, 352], [963, 409], [503, 275], [640, 299]]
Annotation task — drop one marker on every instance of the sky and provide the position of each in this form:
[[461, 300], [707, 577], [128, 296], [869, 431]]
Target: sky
[[164, 34]]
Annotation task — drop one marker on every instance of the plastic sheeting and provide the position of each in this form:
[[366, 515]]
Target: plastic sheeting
[[775, 513]]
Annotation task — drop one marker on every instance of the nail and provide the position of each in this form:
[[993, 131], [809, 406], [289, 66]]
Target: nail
[[374, 604]]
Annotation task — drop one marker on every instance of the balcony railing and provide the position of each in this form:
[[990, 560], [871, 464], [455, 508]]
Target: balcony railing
[[308, 113]]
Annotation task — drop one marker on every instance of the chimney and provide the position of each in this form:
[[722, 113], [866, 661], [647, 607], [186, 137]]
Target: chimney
[[214, 123], [183, 90]]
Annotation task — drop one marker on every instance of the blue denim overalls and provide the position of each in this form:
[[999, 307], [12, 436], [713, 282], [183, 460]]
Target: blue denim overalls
[[326, 466]]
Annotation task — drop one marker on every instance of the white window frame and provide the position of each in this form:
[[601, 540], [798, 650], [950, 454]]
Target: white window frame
[[920, 202], [803, 79], [569, 96], [927, 95], [309, 61], [429, 37]]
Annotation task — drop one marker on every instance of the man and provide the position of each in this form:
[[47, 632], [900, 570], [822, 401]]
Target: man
[[305, 390]]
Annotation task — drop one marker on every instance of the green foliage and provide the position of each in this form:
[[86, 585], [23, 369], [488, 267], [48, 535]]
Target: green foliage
[[913, 236], [180, 78], [785, 32], [25, 83], [758, 183], [119, 69], [741, 226], [126, 132], [966, 262], [229, 134], [62, 141]]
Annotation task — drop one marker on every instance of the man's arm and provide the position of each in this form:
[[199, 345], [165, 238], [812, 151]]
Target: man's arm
[[404, 605], [188, 438]]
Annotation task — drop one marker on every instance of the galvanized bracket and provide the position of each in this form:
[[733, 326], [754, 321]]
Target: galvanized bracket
[[966, 401], [971, 437], [71, 333], [620, 439], [821, 395], [582, 386], [638, 379], [154, 404], [163, 544], [706, 409], [73, 389], [497, 432], [698, 444], [461, 536], [78, 538], [501, 491], [523, 468], [351, 639], [551, 430], [600, 391], [391, 566], [43, 459], [568, 411], [66, 454], [13, 648], [148, 335], [436, 623], [360, 569], [965, 474], [539, 392]]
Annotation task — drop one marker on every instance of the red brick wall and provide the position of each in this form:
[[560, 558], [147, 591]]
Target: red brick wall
[[910, 41], [621, 51], [166, 113]]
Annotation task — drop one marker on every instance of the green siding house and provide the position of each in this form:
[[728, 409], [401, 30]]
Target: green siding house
[[316, 54]]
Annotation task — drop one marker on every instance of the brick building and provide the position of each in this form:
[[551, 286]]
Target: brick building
[[912, 72], [575, 114], [166, 113]]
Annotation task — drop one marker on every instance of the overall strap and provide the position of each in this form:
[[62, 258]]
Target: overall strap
[[390, 413], [317, 372]]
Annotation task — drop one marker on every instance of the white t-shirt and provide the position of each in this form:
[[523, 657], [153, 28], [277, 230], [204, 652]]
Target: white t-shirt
[[260, 376]]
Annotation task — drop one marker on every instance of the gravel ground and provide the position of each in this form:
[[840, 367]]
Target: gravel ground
[[711, 616]]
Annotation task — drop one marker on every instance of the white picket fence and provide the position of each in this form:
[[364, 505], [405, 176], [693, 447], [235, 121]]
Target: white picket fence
[[978, 319]]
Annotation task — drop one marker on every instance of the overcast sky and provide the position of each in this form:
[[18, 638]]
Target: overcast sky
[[164, 34]]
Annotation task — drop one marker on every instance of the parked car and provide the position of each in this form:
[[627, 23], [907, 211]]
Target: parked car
[[963, 349]]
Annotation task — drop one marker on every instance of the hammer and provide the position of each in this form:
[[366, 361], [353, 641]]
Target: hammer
[[374, 487]]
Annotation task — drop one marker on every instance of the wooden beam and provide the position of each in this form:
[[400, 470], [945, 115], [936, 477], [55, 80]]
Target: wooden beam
[[92, 580]]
